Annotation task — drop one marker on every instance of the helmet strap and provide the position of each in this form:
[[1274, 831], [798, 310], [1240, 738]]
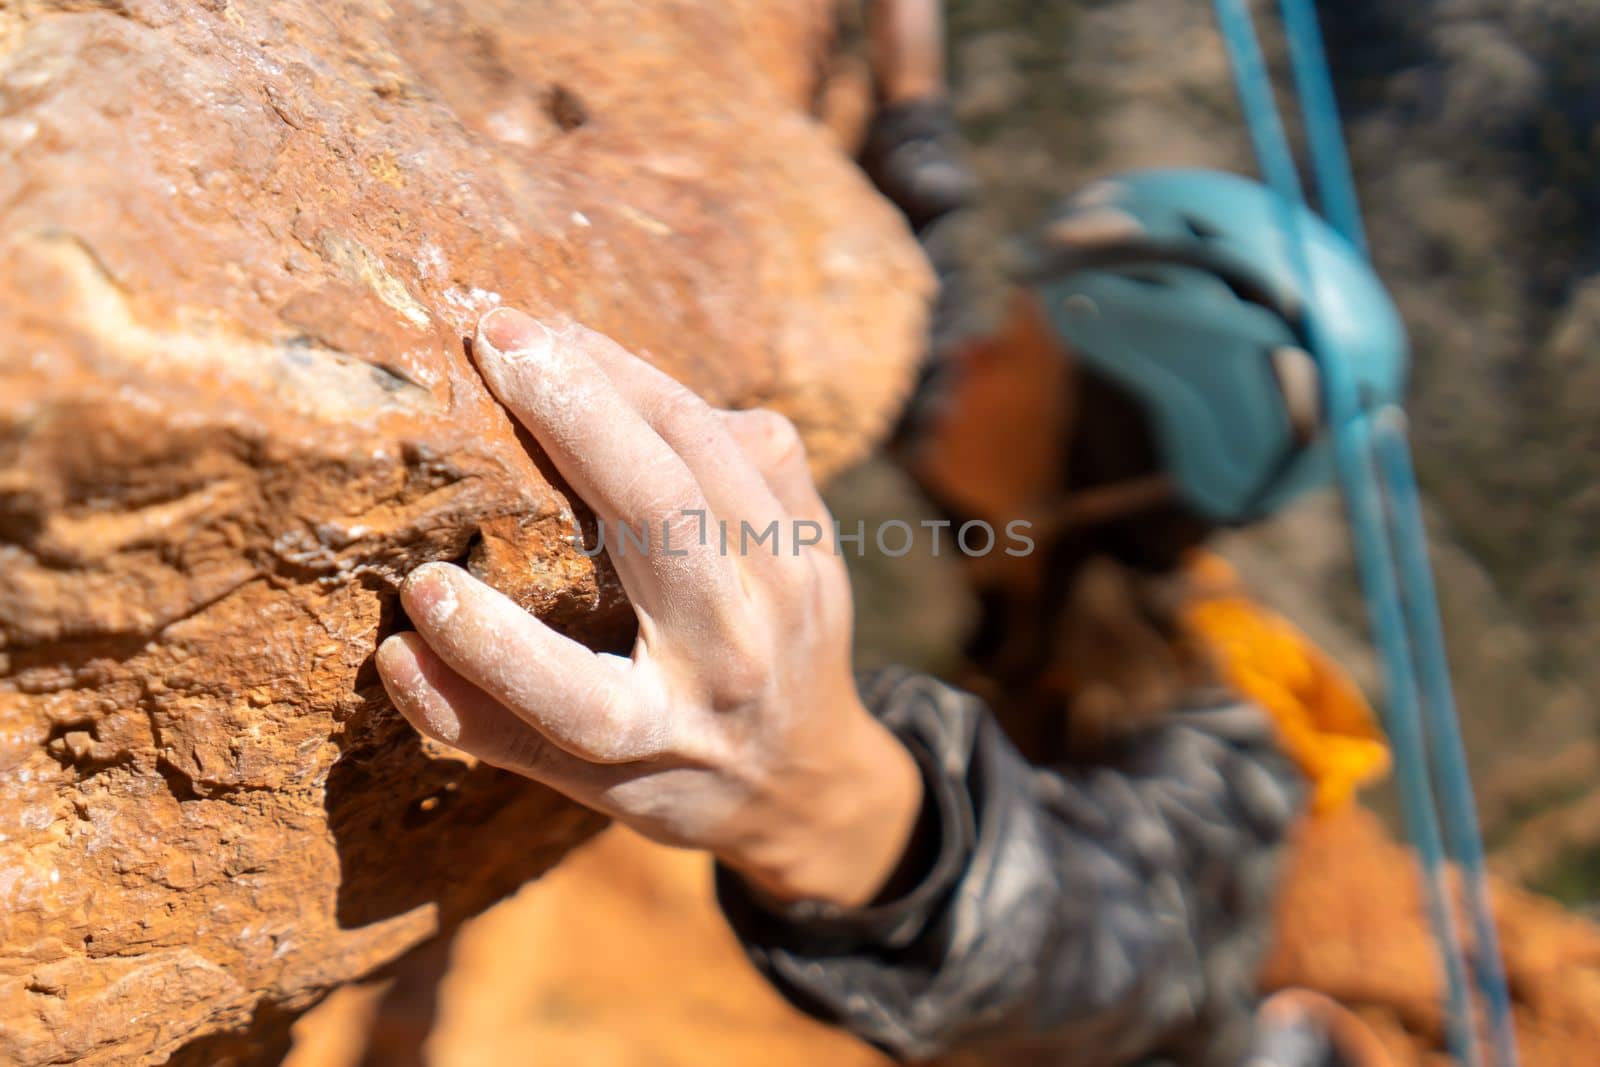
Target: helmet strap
[[1105, 503]]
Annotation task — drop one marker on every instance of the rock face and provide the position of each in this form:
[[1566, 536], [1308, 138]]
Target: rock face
[[1351, 925], [240, 247]]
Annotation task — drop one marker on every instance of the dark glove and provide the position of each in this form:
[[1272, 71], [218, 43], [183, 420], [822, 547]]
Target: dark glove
[[913, 154]]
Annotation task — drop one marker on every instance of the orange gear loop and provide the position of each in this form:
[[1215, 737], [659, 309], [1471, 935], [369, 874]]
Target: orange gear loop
[[1323, 721]]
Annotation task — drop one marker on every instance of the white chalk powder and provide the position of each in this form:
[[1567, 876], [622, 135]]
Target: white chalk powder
[[443, 604], [535, 350]]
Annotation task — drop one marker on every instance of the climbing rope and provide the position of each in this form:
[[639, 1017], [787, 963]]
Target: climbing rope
[[1373, 462]]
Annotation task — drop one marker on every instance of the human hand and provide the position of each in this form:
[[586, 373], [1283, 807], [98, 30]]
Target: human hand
[[735, 725]]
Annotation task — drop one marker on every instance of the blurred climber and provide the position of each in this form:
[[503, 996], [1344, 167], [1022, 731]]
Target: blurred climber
[[888, 857], [1147, 389], [1119, 618]]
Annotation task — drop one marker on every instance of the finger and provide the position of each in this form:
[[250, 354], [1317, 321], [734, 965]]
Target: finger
[[581, 701], [776, 448], [442, 705], [731, 482], [619, 465]]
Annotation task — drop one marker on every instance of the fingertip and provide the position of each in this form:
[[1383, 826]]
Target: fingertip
[[430, 571], [508, 334], [398, 654], [400, 669], [403, 665], [429, 594]]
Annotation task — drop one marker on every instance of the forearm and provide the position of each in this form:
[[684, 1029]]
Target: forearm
[[913, 152], [1111, 911], [907, 49]]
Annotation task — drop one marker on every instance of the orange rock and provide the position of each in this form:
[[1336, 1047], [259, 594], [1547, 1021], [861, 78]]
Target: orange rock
[[619, 958], [1351, 925], [242, 246]]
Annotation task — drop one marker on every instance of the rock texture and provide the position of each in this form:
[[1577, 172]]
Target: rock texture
[[240, 247], [1351, 925]]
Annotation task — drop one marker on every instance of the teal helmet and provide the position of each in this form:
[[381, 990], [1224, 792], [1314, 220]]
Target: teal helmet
[[1177, 286]]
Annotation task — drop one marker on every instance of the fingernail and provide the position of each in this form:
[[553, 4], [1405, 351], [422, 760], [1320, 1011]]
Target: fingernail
[[429, 594], [512, 335]]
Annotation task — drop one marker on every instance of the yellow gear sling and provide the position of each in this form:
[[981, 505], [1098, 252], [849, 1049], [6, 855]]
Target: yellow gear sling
[[1322, 720]]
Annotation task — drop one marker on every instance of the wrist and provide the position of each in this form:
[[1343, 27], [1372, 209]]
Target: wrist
[[847, 830]]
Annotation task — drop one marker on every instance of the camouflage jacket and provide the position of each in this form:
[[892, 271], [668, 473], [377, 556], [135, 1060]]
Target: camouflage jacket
[[1100, 915]]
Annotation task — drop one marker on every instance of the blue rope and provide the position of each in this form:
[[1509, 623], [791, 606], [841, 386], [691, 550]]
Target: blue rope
[[1336, 190], [1439, 705], [1255, 97], [1319, 110], [1374, 469], [1364, 502]]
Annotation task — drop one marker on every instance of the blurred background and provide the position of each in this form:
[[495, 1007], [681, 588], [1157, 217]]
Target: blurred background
[[1474, 137]]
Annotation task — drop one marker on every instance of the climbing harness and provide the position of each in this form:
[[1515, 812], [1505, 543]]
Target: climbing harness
[[1373, 464]]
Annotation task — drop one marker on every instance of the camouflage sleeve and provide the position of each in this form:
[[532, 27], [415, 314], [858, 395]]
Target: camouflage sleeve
[[1102, 914]]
